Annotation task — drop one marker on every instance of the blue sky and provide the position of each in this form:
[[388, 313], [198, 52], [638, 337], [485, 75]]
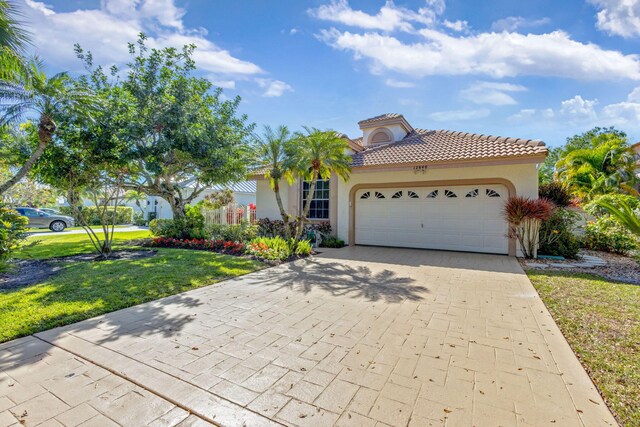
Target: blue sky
[[537, 69]]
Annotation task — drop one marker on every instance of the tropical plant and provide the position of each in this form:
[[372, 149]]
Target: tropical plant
[[595, 208], [556, 192], [624, 214], [13, 41], [318, 154], [525, 218], [137, 197], [47, 98], [607, 166], [276, 151]]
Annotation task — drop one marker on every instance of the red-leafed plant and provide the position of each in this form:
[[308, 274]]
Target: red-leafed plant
[[525, 217]]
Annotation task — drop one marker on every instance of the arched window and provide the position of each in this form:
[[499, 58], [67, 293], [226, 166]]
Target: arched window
[[380, 136]]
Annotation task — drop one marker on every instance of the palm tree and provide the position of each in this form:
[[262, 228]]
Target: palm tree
[[624, 214], [607, 166], [13, 40], [275, 151], [318, 154], [137, 197], [49, 99]]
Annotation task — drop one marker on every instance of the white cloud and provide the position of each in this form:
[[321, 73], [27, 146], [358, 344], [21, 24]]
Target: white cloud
[[435, 52], [293, 31], [578, 109], [398, 83], [39, 6], [389, 18], [224, 84], [634, 96], [274, 88], [494, 54], [492, 93], [459, 26], [619, 17], [622, 114], [513, 23], [584, 113], [459, 115], [106, 30]]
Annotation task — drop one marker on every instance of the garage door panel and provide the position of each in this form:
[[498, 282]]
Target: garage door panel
[[471, 221]]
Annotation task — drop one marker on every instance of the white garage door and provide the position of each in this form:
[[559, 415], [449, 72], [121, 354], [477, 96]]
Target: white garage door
[[457, 218]]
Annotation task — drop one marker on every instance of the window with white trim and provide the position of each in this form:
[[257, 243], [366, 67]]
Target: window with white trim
[[320, 202]]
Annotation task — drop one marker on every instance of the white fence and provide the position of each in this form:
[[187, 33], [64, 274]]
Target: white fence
[[232, 214]]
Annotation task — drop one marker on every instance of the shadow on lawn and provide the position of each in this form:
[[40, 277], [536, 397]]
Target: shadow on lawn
[[340, 279], [155, 319]]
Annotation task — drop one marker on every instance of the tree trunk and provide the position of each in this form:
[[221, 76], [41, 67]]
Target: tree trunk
[[177, 207], [283, 212], [46, 128], [307, 205]]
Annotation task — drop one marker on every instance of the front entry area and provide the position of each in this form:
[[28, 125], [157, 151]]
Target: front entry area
[[457, 218]]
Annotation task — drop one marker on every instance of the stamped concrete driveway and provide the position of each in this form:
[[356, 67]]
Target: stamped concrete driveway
[[357, 336]]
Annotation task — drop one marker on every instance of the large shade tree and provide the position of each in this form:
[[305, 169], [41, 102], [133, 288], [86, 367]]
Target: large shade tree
[[318, 154], [276, 153], [46, 98], [183, 137]]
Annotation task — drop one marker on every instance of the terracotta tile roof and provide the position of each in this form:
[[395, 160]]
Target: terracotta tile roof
[[358, 141], [380, 118], [427, 146]]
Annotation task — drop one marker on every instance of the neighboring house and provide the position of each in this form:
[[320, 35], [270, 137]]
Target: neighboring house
[[419, 188], [243, 193]]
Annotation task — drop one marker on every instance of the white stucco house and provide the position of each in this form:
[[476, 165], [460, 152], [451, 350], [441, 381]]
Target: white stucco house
[[244, 193], [417, 188]]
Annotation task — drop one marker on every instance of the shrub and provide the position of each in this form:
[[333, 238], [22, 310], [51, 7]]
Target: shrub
[[124, 214], [303, 248], [557, 234], [525, 218], [277, 248], [275, 228], [557, 193], [606, 234], [138, 219], [331, 242], [243, 232], [231, 248], [192, 226], [12, 232]]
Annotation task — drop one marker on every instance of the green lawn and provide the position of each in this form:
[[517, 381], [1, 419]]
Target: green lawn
[[601, 320], [46, 230], [88, 289], [72, 244]]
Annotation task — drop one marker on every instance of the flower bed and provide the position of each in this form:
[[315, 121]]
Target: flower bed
[[226, 247]]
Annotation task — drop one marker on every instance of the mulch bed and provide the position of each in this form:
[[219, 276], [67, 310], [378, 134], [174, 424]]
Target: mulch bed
[[621, 268], [26, 272]]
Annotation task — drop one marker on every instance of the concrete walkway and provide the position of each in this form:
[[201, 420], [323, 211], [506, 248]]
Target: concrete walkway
[[353, 337]]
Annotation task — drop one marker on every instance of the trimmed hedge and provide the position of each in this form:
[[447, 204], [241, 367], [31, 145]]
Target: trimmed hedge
[[124, 214]]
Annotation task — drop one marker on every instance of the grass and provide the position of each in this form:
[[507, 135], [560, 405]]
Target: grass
[[87, 289], [46, 230], [601, 320], [72, 244]]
